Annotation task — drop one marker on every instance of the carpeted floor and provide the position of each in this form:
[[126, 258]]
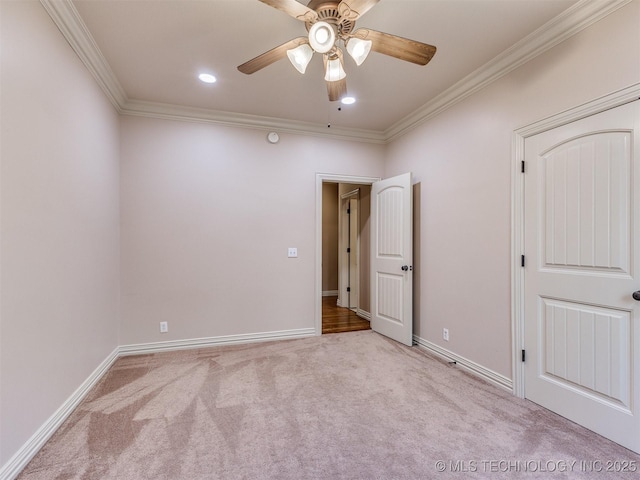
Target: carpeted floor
[[344, 406]]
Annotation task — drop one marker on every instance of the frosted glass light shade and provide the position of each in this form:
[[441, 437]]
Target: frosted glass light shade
[[322, 37], [334, 71], [359, 49], [300, 57]]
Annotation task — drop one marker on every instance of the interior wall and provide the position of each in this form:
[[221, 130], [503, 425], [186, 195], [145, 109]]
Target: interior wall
[[330, 237], [208, 213], [58, 220], [461, 162]]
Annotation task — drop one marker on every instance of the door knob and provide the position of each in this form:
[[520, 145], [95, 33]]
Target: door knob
[[406, 268], [636, 295]]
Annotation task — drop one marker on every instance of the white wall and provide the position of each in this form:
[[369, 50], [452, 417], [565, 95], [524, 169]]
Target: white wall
[[59, 223], [462, 161], [208, 213]]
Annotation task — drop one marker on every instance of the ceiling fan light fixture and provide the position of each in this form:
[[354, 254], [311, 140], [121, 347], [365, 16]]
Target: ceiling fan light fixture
[[358, 49], [322, 37], [300, 56], [335, 71]]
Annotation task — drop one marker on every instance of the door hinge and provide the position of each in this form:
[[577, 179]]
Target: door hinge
[[522, 166], [348, 250], [348, 289], [348, 211], [522, 260], [523, 355]]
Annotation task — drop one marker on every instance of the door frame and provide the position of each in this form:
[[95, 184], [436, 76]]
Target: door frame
[[593, 107], [320, 179]]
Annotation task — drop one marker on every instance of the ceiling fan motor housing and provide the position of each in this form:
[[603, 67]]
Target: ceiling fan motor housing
[[322, 37], [329, 12]]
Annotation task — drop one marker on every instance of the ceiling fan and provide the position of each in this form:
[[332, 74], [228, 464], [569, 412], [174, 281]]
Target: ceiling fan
[[330, 24]]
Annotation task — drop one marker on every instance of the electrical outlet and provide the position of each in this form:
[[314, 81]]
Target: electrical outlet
[[292, 252], [164, 327], [445, 334]]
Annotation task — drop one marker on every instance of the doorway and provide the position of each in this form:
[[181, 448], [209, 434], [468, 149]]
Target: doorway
[[354, 314], [386, 272]]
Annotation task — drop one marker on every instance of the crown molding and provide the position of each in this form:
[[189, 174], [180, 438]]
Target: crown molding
[[68, 20], [576, 18], [239, 120]]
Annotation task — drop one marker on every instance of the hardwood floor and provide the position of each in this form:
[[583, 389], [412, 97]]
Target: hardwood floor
[[337, 319]]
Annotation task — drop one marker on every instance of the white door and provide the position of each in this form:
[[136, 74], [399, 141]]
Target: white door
[[582, 265], [391, 258]]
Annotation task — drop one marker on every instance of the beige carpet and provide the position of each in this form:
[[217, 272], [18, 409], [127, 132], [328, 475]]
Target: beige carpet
[[342, 406]]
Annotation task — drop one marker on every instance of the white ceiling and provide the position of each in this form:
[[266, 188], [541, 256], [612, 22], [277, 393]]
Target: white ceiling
[[156, 48]]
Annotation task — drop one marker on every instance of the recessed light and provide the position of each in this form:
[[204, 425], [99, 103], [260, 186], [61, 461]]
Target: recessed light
[[348, 100], [207, 78]]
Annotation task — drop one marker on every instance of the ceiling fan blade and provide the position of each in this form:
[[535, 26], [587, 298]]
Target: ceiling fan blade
[[294, 9], [337, 90], [354, 9], [273, 55], [398, 47]]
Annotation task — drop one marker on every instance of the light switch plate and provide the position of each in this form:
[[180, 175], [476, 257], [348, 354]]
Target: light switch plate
[[293, 252]]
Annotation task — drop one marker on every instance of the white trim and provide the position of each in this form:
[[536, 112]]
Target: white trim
[[23, 456], [593, 107], [173, 345], [239, 120], [363, 314], [330, 293], [320, 179], [475, 368], [606, 102], [576, 18], [74, 30]]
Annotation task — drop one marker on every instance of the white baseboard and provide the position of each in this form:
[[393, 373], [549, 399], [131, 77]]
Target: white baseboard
[[154, 347], [330, 293], [23, 456], [485, 373], [363, 314]]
